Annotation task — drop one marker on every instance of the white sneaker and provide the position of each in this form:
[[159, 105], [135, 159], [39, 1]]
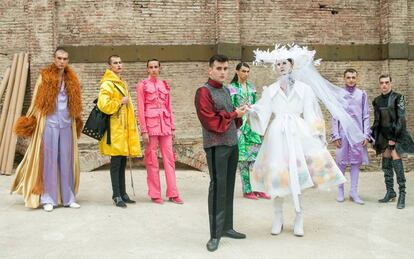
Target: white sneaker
[[298, 227], [48, 207], [74, 205]]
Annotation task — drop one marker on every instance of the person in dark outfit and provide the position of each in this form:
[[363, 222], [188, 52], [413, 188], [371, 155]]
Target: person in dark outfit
[[391, 139], [219, 120]]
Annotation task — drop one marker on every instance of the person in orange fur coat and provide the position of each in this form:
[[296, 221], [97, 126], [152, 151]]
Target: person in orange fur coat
[[48, 175]]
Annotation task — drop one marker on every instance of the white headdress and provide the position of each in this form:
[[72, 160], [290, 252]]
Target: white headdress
[[304, 70], [300, 55]]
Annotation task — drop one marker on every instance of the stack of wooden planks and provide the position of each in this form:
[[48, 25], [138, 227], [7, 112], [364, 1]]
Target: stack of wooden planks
[[13, 86]]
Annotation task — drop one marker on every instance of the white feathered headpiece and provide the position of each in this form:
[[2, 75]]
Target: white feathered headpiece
[[301, 56], [304, 70]]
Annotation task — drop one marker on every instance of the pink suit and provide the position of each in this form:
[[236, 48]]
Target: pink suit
[[155, 118]]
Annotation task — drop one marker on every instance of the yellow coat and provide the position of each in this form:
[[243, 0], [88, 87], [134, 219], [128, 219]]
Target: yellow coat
[[124, 131]]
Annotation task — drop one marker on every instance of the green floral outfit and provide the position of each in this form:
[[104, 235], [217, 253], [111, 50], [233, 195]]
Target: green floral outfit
[[249, 141]]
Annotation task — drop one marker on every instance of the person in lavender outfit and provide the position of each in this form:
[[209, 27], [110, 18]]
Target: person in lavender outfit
[[347, 154], [49, 172]]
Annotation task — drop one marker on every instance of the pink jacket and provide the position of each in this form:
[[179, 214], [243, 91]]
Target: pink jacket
[[154, 107]]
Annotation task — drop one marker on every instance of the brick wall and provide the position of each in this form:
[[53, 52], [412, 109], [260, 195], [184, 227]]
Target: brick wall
[[118, 22], [264, 22], [39, 26]]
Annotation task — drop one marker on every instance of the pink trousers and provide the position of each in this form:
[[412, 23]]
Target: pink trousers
[[153, 170]]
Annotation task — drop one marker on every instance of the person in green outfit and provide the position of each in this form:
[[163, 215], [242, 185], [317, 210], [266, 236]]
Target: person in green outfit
[[243, 92]]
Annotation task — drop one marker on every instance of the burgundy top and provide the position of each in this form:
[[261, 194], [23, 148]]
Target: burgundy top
[[214, 120]]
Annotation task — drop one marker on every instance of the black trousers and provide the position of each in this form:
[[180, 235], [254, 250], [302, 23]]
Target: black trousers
[[222, 165], [117, 169]]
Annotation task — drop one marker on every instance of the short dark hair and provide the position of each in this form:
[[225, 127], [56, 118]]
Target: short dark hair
[[350, 70], [219, 58], [112, 56], [385, 76], [60, 49], [153, 59]]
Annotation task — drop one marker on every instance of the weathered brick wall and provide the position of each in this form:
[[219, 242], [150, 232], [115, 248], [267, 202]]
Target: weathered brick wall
[[13, 33], [117, 22], [410, 26], [39, 26], [228, 21], [13, 30], [264, 22], [397, 20]]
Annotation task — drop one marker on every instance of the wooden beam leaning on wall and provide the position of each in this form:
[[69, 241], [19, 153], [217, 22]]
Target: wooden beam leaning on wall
[[4, 82], [17, 113], [11, 110], [5, 108]]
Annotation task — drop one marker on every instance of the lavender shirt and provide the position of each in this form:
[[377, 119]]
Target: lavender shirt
[[358, 108], [60, 118]]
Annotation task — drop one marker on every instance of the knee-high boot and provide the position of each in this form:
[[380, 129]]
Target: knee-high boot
[[341, 196], [277, 226], [353, 193], [399, 171], [389, 180], [298, 226]]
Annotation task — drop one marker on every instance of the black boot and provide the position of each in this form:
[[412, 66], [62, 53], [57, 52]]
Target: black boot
[[399, 171], [389, 180], [126, 199], [401, 201], [119, 202]]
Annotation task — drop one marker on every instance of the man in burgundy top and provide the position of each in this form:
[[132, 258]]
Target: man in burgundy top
[[219, 120]]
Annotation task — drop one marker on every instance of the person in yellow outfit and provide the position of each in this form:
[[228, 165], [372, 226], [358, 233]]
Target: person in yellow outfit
[[114, 99]]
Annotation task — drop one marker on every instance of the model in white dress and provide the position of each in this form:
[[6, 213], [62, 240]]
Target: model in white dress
[[293, 155]]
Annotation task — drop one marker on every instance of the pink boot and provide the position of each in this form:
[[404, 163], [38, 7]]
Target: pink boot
[[157, 200], [176, 200], [262, 195], [250, 195]]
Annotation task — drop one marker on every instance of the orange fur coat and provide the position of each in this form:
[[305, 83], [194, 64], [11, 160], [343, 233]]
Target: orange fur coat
[[45, 100]]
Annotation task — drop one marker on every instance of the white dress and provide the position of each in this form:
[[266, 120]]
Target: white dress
[[293, 155]]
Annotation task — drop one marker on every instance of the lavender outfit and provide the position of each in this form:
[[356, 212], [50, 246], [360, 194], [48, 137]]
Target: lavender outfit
[[356, 155], [57, 154], [358, 109]]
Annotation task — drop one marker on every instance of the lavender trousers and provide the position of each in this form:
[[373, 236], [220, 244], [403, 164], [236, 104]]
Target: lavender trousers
[[354, 173], [57, 166]]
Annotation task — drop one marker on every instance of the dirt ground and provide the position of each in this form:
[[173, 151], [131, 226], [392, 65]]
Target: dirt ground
[[147, 230]]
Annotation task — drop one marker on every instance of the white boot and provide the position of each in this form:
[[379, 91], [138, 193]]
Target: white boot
[[298, 227], [278, 219]]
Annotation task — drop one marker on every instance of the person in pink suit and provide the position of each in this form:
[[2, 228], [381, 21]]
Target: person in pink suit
[[157, 128]]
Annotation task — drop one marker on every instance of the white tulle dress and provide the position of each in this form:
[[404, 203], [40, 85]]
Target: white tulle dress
[[293, 155]]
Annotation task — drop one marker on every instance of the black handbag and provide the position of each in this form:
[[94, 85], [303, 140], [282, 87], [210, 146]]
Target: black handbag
[[98, 123]]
